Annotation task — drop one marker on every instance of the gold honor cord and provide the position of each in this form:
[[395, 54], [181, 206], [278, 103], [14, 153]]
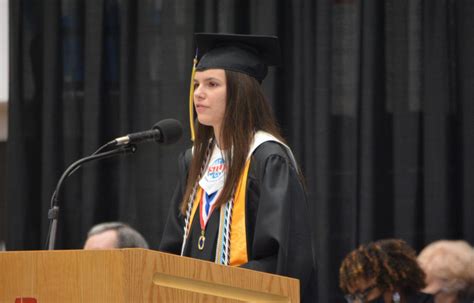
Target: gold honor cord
[[191, 103]]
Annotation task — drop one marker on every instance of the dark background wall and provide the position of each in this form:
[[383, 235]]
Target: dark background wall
[[374, 97]]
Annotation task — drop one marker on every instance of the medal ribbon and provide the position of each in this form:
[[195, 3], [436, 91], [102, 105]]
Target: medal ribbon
[[203, 221]]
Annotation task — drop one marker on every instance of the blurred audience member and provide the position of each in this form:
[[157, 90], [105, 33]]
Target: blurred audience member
[[111, 235], [449, 268], [383, 271]]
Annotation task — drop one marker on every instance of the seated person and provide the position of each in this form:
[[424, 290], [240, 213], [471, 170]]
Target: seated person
[[449, 268], [111, 235], [383, 271]]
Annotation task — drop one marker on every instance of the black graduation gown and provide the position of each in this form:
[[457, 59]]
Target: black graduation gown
[[277, 221], [420, 297]]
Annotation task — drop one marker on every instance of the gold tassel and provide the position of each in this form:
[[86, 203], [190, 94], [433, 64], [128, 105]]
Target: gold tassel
[[191, 97]]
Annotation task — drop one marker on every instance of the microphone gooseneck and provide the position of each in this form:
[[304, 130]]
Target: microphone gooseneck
[[53, 212], [166, 131]]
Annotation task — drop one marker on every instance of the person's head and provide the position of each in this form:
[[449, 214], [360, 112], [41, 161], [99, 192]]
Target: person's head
[[380, 269], [229, 101], [449, 268], [111, 235], [227, 91]]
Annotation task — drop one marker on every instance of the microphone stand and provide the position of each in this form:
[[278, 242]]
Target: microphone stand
[[54, 210]]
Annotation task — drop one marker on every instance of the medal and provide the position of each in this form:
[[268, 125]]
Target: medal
[[201, 240]]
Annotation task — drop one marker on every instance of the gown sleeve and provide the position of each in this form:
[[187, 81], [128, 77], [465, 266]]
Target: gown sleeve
[[172, 237], [281, 241]]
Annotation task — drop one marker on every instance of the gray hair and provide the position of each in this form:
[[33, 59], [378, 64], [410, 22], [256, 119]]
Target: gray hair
[[450, 261], [127, 237]]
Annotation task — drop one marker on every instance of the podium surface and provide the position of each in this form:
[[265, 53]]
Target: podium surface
[[133, 275]]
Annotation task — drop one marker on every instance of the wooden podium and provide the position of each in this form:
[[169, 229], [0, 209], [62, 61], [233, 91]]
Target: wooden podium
[[132, 275]]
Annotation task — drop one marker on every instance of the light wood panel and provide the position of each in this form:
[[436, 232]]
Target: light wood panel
[[134, 275]]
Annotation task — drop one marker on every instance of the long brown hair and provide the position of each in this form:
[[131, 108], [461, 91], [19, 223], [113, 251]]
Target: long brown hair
[[247, 111]]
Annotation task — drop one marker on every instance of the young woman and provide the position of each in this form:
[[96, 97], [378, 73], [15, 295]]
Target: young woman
[[385, 271], [240, 200]]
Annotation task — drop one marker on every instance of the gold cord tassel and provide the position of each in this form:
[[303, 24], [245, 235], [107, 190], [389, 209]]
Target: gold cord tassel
[[191, 97]]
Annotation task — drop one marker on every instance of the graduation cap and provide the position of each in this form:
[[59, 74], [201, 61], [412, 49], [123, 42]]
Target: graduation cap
[[248, 54]]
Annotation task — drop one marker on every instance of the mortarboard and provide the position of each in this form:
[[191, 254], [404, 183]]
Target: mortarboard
[[248, 54]]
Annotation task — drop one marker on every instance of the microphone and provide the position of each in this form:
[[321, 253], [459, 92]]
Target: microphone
[[166, 131]]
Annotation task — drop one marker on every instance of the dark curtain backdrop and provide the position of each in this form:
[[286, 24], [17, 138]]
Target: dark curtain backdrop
[[375, 97]]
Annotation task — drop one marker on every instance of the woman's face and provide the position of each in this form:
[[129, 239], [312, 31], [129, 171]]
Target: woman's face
[[210, 94], [363, 291]]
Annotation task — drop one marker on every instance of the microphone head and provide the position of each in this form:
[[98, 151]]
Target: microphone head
[[171, 131]]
